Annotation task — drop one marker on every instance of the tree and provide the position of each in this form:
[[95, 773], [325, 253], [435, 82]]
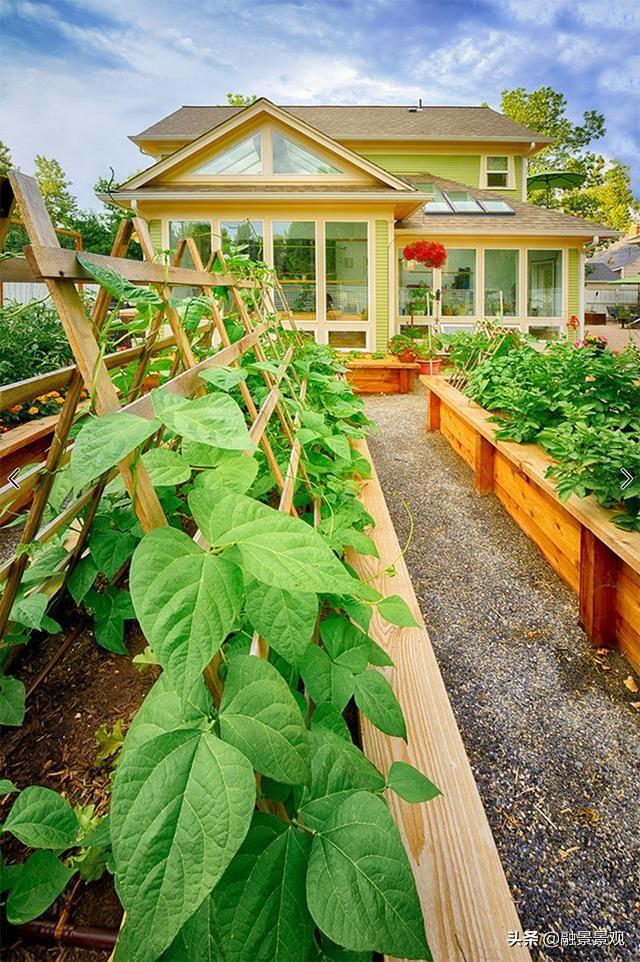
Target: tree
[[6, 161], [54, 187], [241, 100], [606, 194]]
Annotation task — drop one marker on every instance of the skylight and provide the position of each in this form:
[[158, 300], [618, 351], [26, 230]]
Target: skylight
[[243, 158], [462, 202]]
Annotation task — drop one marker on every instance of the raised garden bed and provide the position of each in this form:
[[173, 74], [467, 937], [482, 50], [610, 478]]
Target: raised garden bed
[[388, 375], [597, 559]]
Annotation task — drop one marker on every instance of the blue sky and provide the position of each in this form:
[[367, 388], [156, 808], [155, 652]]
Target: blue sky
[[78, 76]]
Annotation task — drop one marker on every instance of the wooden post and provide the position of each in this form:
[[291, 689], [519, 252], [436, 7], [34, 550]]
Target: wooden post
[[484, 452], [598, 571], [433, 411]]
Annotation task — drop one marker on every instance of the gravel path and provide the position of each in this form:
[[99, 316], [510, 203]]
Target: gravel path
[[548, 724]]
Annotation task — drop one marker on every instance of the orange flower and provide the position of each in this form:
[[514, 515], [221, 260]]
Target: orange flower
[[33, 410], [15, 409], [59, 400]]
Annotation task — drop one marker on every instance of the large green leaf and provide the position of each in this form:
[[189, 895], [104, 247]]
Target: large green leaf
[[41, 818], [119, 287], [396, 611], [324, 679], [166, 467], [35, 885], [110, 549], [235, 474], [338, 769], [162, 711], [213, 419], [410, 784], [260, 716], [105, 441], [285, 619], [182, 805], [375, 699], [360, 888], [346, 644], [279, 550], [186, 601], [223, 378], [12, 696], [110, 608]]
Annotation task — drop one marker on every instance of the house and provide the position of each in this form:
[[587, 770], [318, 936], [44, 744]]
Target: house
[[330, 195], [621, 259]]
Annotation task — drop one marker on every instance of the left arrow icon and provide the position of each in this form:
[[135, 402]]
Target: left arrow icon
[[12, 479]]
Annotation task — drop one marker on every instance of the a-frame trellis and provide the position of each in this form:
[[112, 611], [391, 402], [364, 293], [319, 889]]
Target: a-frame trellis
[[60, 270]]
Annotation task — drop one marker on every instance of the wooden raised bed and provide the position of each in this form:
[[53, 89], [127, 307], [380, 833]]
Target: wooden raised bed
[[385, 375], [598, 560], [465, 897]]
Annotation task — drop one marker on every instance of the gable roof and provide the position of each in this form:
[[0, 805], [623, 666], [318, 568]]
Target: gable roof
[[618, 255], [526, 218], [596, 271], [245, 114], [360, 123]]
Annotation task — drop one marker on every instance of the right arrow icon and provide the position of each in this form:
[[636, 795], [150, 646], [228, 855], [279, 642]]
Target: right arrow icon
[[628, 478]]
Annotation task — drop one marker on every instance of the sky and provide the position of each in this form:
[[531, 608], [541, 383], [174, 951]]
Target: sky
[[78, 76]]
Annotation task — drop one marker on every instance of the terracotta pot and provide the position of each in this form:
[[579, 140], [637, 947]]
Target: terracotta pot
[[433, 366], [407, 356]]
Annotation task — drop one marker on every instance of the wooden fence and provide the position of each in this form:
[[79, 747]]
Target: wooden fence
[[598, 560]]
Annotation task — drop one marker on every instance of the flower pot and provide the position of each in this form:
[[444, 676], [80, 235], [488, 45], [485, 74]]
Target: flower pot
[[433, 366], [406, 356]]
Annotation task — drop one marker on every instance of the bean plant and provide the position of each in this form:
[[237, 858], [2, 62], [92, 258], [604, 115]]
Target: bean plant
[[245, 823], [582, 405]]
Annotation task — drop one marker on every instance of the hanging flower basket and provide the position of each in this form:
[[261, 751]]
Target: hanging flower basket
[[427, 253]]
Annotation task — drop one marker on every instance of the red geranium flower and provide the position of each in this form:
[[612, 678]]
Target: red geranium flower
[[429, 253]]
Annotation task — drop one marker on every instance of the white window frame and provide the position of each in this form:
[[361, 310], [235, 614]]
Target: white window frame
[[270, 256], [511, 172], [545, 321]]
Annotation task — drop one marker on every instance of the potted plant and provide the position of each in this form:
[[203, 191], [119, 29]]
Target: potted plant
[[429, 354], [403, 347]]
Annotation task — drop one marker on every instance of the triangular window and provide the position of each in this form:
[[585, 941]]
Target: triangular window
[[244, 157], [291, 158]]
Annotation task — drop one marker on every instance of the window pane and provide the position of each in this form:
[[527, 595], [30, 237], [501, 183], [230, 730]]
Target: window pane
[[436, 206], [501, 277], [459, 284], [348, 339], [498, 163], [347, 271], [247, 233], [242, 158], [544, 284], [292, 158], [415, 289], [496, 206], [462, 202], [497, 180], [294, 258], [200, 230]]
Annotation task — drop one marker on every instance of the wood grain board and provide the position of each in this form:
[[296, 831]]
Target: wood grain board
[[465, 897]]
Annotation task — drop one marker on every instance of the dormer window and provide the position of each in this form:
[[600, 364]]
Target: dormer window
[[497, 172], [244, 157], [292, 158], [268, 153]]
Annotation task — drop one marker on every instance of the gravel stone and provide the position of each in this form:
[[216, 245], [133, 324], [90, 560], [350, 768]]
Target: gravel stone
[[549, 727]]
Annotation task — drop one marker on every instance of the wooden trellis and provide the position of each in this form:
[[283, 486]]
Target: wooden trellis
[[60, 270]]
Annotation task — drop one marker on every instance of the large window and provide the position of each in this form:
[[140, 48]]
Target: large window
[[459, 284], [501, 271], [347, 271], [200, 230], [544, 275], [247, 233], [243, 158], [294, 258], [292, 158], [497, 171], [416, 289]]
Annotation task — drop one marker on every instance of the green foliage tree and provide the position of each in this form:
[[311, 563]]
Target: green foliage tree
[[606, 194], [54, 187], [241, 100], [6, 160]]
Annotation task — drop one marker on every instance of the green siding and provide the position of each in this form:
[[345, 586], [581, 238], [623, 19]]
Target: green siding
[[463, 168], [155, 229], [574, 282], [382, 284]]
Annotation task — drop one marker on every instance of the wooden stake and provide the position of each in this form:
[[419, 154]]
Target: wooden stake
[[598, 577]]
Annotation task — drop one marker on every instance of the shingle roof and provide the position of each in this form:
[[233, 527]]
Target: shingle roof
[[526, 219], [618, 255], [595, 271], [360, 123]]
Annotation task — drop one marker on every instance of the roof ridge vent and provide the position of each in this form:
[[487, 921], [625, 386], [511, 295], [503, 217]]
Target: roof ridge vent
[[418, 109]]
